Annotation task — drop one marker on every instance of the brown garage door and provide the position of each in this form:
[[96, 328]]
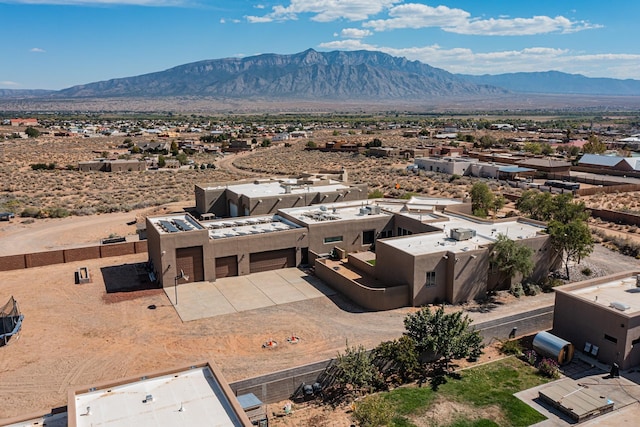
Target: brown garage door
[[226, 266], [272, 260], [189, 260]]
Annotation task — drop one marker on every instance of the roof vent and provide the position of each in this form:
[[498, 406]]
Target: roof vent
[[619, 306]]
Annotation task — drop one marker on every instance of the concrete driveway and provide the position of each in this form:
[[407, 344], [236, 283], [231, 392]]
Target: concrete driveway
[[200, 300]]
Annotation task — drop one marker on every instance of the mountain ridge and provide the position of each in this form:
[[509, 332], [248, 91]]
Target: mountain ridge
[[305, 75], [329, 76], [557, 82]]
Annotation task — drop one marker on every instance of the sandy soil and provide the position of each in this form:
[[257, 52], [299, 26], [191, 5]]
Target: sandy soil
[[22, 235], [79, 335]]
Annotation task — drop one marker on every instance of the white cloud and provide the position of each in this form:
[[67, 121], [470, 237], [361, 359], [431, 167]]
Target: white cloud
[[37, 50], [223, 21], [326, 10], [355, 33], [8, 83], [415, 15], [466, 61], [259, 6]]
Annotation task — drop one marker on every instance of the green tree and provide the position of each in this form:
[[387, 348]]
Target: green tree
[[572, 240], [375, 143], [136, 150], [174, 148], [355, 370], [182, 158], [565, 210], [162, 162], [481, 199], [445, 336], [536, 204], [511, 258], [266, 142], [547, 149], [311, 144], [497, 204], [594, 146], [573, 151], [403, 357], [532, 147], [32, 132]]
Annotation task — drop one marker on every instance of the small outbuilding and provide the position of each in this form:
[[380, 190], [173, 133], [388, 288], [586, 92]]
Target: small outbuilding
[[550, 345]]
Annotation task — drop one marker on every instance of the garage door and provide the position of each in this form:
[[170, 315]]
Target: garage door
[[189, 260], [226, 266], [272, 260]]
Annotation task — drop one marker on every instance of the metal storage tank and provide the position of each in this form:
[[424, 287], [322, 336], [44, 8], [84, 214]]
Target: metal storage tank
[[550, 345]]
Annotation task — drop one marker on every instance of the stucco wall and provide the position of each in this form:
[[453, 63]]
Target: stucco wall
[[371, 298]]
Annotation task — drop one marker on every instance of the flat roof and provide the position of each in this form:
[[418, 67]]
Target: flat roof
[[274, 188], [248, 225], [439, 241], [189, 398], [175, 223], [344, 211], [623, 291]]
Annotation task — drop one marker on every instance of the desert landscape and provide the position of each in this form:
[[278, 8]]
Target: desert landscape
[[81, 334]]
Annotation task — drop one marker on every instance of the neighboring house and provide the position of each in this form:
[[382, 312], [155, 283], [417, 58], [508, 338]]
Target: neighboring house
[[120, 165], [601, 317], [24, 122], [193, 395], [237, 145], [298, 134], [382, 151], [547, 167], [153, 147], [615, 163]]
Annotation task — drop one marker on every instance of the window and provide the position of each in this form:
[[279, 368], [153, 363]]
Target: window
[[431, 279], [610, 338], [332, 239], [404, 232], [386, 233], [368, 237]]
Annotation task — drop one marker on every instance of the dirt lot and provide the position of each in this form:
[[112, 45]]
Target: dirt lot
[[80, 335]]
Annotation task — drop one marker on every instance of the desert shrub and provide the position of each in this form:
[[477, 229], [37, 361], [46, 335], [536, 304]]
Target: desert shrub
[[531, 357], [531, 289], [372, 411], [57, 212], [511, 347], [31, 212], [376, 194], [549, 283], [549, 368], [586, 271], [43, 166], [516, 290]]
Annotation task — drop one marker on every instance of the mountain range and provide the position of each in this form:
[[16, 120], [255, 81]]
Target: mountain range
[[326, 76]]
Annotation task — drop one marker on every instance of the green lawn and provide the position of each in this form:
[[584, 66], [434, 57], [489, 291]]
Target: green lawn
[[372, 261], [482, 387]]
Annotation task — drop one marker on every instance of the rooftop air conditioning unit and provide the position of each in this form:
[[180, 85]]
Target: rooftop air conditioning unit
[[461, 234], [373, 209]]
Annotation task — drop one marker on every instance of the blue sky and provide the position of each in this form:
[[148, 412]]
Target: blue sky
[[53, 44]]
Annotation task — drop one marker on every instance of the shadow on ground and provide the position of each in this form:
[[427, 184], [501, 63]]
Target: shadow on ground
[[126, 278]]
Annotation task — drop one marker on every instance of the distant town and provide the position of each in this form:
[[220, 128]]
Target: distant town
[[296, 269]]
